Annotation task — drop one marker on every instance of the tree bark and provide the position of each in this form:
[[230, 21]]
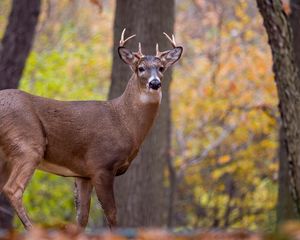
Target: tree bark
[[295, 24], [14, 50], [286, 76], [285, 210], [140, 192], [17, 41], [285, 204]]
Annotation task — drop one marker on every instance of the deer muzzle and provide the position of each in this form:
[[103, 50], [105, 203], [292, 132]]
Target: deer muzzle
[[155, 84]]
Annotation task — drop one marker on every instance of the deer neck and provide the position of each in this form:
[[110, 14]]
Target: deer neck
[[138, 108]]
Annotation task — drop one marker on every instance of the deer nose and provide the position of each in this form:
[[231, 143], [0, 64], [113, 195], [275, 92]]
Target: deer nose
[[155, 84]]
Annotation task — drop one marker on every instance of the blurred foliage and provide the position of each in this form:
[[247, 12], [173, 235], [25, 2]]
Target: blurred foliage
[[223, 100], [70, 60], [225, 118]]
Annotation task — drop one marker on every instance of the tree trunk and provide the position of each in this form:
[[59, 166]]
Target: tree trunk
[[286, 76], [17, 41], [295, 24], [140, 192], [285, 204], [14, 50], [172, 196], [285, 210]]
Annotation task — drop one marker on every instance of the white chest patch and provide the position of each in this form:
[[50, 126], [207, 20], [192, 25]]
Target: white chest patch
[[152, 96]]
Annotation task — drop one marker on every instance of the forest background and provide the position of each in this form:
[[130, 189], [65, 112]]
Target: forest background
[[224, 109]]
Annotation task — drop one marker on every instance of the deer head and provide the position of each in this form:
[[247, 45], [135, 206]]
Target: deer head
[[149, 69]]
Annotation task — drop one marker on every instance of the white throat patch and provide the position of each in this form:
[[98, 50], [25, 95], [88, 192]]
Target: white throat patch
[[152, 96]]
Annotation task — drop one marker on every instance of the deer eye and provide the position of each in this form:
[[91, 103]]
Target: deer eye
[[161, 69], [141, 69]]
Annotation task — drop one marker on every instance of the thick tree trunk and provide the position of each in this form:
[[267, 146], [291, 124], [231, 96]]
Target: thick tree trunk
[[295, 24], [285, 210], [140, 192], [286, 76], [14, 50], [17, 41]]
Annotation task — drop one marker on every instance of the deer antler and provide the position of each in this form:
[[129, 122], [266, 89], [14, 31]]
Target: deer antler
[[172, 40], [139, 53], [122, 43]]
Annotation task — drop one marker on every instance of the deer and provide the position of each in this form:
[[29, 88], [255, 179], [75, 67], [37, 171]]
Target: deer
[[92, 141]]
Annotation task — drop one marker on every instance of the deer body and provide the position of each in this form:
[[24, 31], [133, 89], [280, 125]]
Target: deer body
[[93, 141], [100, 128]]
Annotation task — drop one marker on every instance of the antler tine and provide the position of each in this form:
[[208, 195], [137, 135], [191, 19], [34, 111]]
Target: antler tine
[[139, 52], [159, 53], [157, 49], [172, 40], [122, 41]]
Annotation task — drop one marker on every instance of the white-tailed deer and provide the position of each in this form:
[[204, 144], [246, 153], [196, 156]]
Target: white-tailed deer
[[93, 141]]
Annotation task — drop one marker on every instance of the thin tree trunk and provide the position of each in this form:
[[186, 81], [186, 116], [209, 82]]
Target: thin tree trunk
[[285, 209], [286, 76], [172, 196], [14, 50], [140, 191]]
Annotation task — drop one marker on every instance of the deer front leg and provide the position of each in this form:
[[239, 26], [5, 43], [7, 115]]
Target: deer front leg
[[103, 183], [22, 169], [83, 191]]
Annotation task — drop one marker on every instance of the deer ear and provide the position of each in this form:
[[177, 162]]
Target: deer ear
[[170, 57], [127, 56]]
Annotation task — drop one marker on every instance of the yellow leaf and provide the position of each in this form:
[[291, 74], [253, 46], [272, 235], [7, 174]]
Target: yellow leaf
[[224, 159]]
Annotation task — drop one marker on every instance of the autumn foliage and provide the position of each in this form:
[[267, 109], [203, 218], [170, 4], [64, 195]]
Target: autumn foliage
[[223, 167]]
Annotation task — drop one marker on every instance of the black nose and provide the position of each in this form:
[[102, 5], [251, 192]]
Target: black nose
[[155, 84]]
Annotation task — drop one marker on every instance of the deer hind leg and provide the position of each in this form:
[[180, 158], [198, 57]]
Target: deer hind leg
[[83, 191], [22, 167]]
